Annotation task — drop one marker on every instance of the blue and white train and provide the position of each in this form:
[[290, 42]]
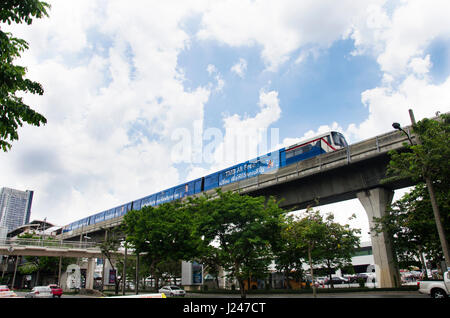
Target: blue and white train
[[268, 163]]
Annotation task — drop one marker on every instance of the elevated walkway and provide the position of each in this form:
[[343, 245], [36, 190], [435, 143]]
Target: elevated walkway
[[35, 247]]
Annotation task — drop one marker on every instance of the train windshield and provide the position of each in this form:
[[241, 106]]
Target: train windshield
[[339, 139]]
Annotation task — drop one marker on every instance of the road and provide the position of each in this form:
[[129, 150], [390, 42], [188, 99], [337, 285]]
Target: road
[[368, 294]]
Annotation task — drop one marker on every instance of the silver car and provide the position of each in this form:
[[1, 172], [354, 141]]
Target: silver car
[[172, 291], [40, 292]]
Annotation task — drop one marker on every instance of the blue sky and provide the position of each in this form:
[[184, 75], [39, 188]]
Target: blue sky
[[333, 81], [124, 83]]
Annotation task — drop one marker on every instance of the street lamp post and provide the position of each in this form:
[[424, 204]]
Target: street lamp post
[[434, 205], [398, 127]]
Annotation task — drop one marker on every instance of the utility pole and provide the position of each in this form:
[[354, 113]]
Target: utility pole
[[15, 271], [434, 205], [59, 271], [137, 273], [124, 271]]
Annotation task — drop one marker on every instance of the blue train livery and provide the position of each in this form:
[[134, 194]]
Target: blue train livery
[[267, 163]]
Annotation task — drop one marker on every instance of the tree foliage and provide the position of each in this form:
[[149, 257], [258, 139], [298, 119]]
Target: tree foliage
[[243, 231], [411, 220], [289, 256], [239, 233], [310, 238], [13, 110], [306, 233], [109, 248], [164, 234], [339, 245], [429, 158]]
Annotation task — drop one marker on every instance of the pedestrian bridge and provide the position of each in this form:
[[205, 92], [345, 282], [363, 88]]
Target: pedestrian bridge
[[51, 248]]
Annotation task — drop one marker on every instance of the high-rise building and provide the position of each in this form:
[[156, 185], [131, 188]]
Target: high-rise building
[[15, 208]]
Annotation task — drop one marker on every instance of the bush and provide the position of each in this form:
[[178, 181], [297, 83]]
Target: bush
[[361, 282]]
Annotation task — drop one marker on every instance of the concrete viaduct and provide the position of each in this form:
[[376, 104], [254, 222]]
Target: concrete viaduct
[[354, 172]]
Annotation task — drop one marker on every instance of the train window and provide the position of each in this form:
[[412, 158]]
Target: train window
[[212, 181], [338, 139], [137, 205], [191, 188], [343, 141], [303, 149], [180, 191], [198, 186]]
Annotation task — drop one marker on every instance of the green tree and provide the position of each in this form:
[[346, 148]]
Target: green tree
[[243, 230], [289, 255], [306, 233], [427, 161], [110, 248], [13, 111], [164, 233], [210, 261], [337, 249], [130, 268]]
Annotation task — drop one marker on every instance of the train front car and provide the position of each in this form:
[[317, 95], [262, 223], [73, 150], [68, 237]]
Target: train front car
[[338, 140], [328, 142]]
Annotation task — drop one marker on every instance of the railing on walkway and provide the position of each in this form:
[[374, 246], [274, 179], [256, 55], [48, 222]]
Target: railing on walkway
[[49, 243]]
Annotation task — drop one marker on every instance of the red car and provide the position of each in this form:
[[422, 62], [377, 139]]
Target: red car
[[56, 290]]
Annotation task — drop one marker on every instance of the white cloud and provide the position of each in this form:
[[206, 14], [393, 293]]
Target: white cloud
[[395, 39], [240, 68], [420, 66], [213, 71], [280, 27], [398, 40], [246, 136], [387, 105], [110, 106]]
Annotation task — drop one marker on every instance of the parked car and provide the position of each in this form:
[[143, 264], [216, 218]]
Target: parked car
[[352, 279], [6, 292], [435, 288], [56, 290], [40, 292], [367, 277], [336, 280], [172, 291]]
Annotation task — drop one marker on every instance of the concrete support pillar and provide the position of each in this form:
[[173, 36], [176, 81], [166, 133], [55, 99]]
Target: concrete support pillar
[[106, 270], [90, 273], [375, 202]]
